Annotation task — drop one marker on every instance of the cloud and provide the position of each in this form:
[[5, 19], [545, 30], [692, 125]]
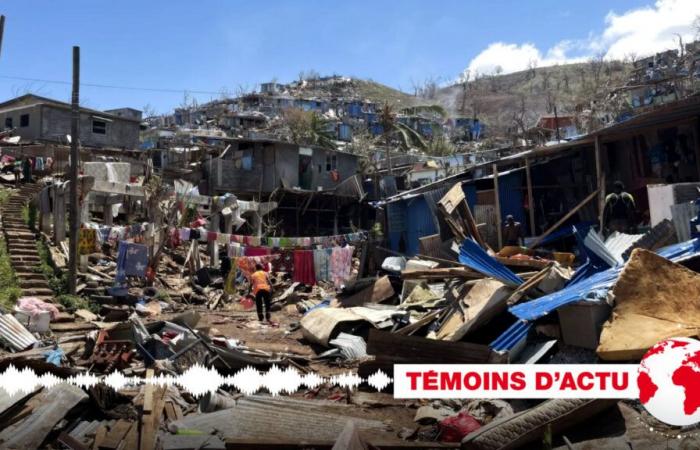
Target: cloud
[[641, 31]]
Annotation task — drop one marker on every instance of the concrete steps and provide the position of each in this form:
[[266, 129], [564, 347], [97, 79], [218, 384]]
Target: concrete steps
[[21, 245]]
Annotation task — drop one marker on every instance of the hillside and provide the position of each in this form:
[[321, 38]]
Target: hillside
[[517, 99]]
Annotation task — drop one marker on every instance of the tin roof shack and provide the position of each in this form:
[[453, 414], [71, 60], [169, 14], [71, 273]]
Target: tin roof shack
[[260, 166], [36, 118]]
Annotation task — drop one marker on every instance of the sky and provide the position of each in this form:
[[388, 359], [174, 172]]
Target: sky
[[166, 51]]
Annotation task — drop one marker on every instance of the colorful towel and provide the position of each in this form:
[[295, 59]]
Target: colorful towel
[[304, 267], [341, 265], [132, 260], [285, 261], [322, 264], [87, 241]]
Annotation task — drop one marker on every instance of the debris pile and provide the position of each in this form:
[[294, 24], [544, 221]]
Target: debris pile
[[176, 299]]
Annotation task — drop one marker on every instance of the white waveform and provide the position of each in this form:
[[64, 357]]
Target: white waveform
[[197, 380]]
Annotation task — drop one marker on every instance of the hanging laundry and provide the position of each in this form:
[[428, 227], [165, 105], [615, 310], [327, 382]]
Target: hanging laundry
[[235, 250], [223, 239], [285, 261], [257, 251], [184, 234], [341, 265], [230, 286], [87, 241], [304, 267], [322, 264], [246, 264], [132, 261]]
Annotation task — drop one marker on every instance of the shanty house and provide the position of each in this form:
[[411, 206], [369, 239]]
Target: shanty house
[[36, 118], [260, 166]]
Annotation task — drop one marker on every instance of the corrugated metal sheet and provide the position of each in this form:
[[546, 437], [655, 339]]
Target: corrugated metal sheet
[[617, 243], [682, 213], [275, 417], [513, 336], [14, 333], [471, 254], [596, 286], [396, 224], [510, 195], [419, 223], [470, 194]]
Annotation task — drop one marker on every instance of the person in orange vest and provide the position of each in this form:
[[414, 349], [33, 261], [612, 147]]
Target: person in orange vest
[[262, 290]]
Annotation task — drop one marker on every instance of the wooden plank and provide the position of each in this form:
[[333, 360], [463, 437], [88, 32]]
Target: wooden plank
[[71, 442], [100, 435], [538, 264], [116, 435], [440, 273], [530, 197], [377, 292], [599, 180], [417, 349], [583, 203], [148, 393], [52, 405], [497, 201], [73, 326]]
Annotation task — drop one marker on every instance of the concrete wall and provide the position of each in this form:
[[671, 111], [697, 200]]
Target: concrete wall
[[52, 123], [26, 133], [55, 122], [274, 165]]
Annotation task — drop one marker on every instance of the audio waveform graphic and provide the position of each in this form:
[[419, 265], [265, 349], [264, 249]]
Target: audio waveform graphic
[[197, 380]]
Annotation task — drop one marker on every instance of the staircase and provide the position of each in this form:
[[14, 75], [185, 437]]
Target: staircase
[[21, 245]]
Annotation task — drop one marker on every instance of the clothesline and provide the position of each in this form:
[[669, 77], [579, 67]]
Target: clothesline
[[202, 235]]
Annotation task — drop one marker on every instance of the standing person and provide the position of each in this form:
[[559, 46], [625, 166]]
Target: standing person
[[262, 290], [27, 169], [512, 231], [17, 170], [618, 214]]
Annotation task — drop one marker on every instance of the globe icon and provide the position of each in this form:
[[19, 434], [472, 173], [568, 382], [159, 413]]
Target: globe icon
[[669, 381]]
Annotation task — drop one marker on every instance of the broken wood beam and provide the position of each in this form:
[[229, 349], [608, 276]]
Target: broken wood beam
[[440, 273], [566, 217]]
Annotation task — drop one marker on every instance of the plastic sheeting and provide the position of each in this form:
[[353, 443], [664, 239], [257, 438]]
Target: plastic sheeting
[[596, 286], [471, 254]]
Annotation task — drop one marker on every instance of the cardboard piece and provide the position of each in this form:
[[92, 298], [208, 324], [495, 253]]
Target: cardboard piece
[[654, 299]]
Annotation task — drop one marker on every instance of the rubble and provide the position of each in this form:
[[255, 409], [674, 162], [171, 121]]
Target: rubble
[[165, 292]]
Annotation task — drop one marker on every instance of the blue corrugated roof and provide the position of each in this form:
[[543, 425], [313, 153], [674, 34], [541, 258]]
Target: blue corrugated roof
[[595, 286], [471, 254], [514, 334]]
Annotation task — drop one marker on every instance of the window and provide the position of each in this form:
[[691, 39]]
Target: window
[[8, 122], [99, 127], [24, 120], [331, 162]]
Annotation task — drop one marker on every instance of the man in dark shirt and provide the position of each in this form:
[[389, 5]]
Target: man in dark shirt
[[512, 232], [618, 214]]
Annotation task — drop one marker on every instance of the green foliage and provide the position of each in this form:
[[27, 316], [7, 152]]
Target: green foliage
[[9, 287], [5, 195], [58, 281], [308, 128], [75, 302], [29, 214]]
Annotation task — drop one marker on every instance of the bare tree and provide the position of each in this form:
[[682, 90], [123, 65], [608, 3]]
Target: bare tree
[[148, 111]]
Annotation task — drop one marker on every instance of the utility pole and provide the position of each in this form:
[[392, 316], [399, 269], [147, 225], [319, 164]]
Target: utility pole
[[73, 216], [2, 29]]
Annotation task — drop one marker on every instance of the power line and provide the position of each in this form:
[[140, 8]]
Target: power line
[[109, 86]]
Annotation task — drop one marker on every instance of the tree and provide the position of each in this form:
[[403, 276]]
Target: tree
[[391, 128], [307, 128]]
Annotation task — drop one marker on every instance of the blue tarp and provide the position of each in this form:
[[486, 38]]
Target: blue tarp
[[595, 286], [476, 258]]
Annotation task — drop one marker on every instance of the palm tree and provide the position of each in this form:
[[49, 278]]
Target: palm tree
[[320, 134], [408, 137]]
